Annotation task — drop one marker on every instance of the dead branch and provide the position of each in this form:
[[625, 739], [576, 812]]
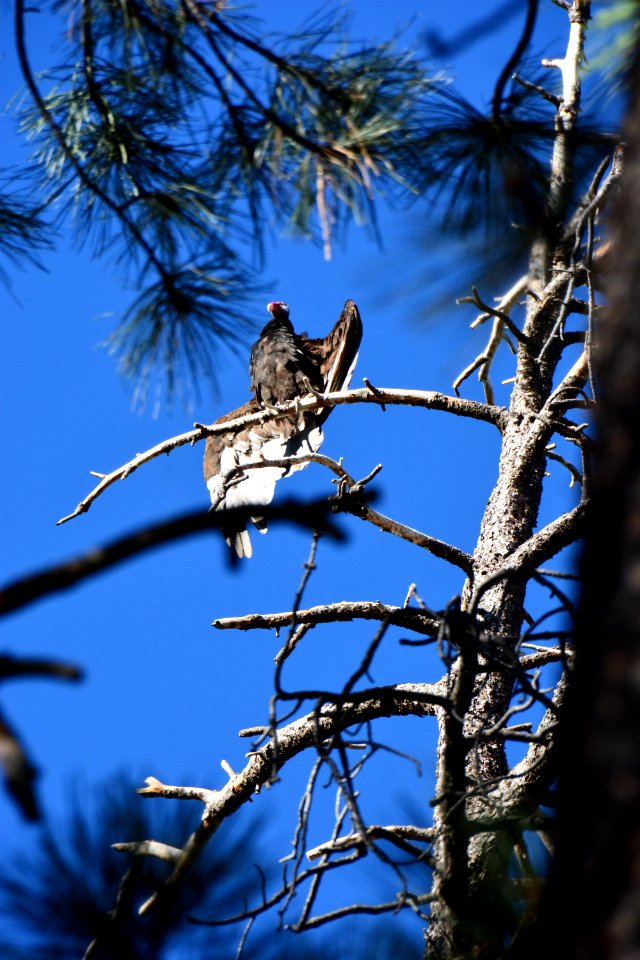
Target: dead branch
[[411, 619], [544, 93], [349, 501], [571, 384], [484, 360], [574, 473], [489, 311], [544, 545], [406, 900], [155, 788], [543, 656], [429, 399], [284, 893], [308, 731], [121, 473], [553, 538], [535, 773], [398, 835], [595, 197], [355, 505], [150, 848]]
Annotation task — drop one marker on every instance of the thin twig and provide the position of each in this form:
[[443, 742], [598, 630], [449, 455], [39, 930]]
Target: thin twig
[[287, 742], [485, 359]]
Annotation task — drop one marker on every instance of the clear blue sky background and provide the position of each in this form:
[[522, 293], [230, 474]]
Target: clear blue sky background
[[165, 694]]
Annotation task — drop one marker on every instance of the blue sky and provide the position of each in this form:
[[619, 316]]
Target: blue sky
[[164, 694]]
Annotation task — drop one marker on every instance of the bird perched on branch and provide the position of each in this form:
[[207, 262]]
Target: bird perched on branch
[[284, 366], [281, 367]]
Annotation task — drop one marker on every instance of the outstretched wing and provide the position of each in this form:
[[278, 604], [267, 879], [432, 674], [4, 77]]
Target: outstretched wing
[[337, 353]]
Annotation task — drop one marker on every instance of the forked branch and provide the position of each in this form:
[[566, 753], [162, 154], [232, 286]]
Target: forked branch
[[407, 699]]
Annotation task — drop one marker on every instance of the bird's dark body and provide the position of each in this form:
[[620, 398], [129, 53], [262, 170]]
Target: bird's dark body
[[280, 367], [283, 366]]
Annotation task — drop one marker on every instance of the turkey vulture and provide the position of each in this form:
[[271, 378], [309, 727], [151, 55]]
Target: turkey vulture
[[283, 366], [280, 366]]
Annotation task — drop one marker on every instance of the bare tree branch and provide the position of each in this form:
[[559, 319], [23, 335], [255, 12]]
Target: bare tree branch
[[317, 514], [308, 731], [14, 667], [416, 620], [350, 501], [429, 399], [400, 835], [553, 538], [374, 909], [484, 360], [444, 551]]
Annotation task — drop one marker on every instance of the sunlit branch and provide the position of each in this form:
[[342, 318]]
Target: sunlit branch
[[444, 551], [400, 836], [429, 399], [543, 656], [308, 731], [485, 359], [349, 500], [412, 619], [549, 541], [155, 788], [574, 473], [568, 107], [489, 311], [553, 538], [571, 384], [150, 848]]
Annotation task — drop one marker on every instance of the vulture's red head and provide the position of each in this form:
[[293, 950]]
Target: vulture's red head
[[278, 310]]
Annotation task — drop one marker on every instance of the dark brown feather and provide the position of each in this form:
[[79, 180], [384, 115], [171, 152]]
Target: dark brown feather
[[283, 366], [216, 443], [232, 487], [335, 355], [280, 367]]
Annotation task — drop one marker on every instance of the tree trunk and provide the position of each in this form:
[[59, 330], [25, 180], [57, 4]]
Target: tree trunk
[[598, 856]]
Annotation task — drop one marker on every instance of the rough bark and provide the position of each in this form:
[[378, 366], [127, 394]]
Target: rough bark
[[599, 826], [489, 911]]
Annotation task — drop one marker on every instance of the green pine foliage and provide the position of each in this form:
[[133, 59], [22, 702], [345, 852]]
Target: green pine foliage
[[170, 135]]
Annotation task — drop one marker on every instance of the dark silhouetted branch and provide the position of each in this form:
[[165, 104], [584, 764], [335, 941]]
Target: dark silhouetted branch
[[317, 514]]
